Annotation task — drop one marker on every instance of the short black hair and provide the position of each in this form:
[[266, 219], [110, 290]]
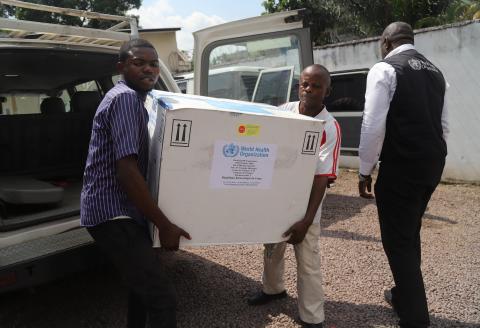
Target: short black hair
[[399, 33], [321, 69], [127, 46]]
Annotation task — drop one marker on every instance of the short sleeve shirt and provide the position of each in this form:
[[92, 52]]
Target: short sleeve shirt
[[328, 157], [119, 130]]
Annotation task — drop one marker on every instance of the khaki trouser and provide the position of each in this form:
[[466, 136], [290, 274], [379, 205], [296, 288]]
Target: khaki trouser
[[309, 275]]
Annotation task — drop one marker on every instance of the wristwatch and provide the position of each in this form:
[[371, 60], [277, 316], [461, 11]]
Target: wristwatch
[[363, 178]]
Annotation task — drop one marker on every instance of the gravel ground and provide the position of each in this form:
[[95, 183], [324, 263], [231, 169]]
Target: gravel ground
[[213, 283]]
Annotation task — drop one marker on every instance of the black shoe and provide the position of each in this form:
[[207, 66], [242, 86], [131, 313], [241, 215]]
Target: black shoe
[[387, 294], [261, 298]]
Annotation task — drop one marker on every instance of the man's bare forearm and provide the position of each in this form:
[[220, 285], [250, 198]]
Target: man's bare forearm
[[316, 195]]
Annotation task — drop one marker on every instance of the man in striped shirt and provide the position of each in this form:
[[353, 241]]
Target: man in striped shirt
[[115, 202], [304, 234]]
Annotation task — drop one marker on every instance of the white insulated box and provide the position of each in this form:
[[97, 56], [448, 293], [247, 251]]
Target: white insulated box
[[229, 172]]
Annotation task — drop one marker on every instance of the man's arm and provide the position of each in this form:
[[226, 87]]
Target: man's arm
[[299, 229], [136, 189], [326, 170], [126, 123], [381, 84]]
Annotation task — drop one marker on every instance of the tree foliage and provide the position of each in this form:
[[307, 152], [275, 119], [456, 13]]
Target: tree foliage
[[327, 19], [374, 15], [339, 20], [458, 10], [113, 7]]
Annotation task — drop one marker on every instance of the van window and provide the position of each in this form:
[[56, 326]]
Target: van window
[[65, 96], [182, 85], [234, 67], [348, 91], [27, 103], [221, 85], [31, 103], [346, 102], [232, 82], [249, 81], [116, 78], [87, 86]]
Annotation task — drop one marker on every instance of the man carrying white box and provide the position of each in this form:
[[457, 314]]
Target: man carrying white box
[[115, 202], [304, 234]]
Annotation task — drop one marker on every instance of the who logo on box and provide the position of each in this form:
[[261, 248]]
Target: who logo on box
[[230, 150]]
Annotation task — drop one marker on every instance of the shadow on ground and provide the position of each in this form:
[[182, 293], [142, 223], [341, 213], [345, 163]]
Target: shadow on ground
[[349, 315], [337, 208], [209, 295]]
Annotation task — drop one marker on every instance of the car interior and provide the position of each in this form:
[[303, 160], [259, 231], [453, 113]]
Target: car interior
[[48, 98]]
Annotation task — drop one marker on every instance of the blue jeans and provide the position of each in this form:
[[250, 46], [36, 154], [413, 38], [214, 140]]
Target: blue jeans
[[151, 293]]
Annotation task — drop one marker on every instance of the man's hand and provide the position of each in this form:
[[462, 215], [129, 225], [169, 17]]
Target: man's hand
[[296, 232], [364, 185], [170, 235]]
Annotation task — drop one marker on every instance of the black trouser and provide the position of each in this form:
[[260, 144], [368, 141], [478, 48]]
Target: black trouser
[[402, 192], [151, 294]]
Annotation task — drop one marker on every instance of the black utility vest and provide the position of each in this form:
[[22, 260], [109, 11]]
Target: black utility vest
[[414, 128]]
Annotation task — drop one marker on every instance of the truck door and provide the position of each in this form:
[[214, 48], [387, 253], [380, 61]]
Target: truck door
[[251, 45]]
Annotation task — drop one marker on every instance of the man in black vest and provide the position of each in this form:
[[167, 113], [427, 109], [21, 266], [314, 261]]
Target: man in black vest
[[404, 127]]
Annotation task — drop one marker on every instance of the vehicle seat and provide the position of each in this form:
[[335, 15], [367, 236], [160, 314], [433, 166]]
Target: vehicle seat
[[52, 105], [25, 190], [85, 102]]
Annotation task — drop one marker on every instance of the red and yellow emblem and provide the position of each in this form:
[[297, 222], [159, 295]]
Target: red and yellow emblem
[[248, 130]]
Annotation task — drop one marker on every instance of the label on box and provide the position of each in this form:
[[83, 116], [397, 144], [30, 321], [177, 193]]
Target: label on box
[[242, 165], [248, 130]]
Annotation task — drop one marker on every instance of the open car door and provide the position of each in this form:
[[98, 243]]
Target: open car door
[[229, 57]]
